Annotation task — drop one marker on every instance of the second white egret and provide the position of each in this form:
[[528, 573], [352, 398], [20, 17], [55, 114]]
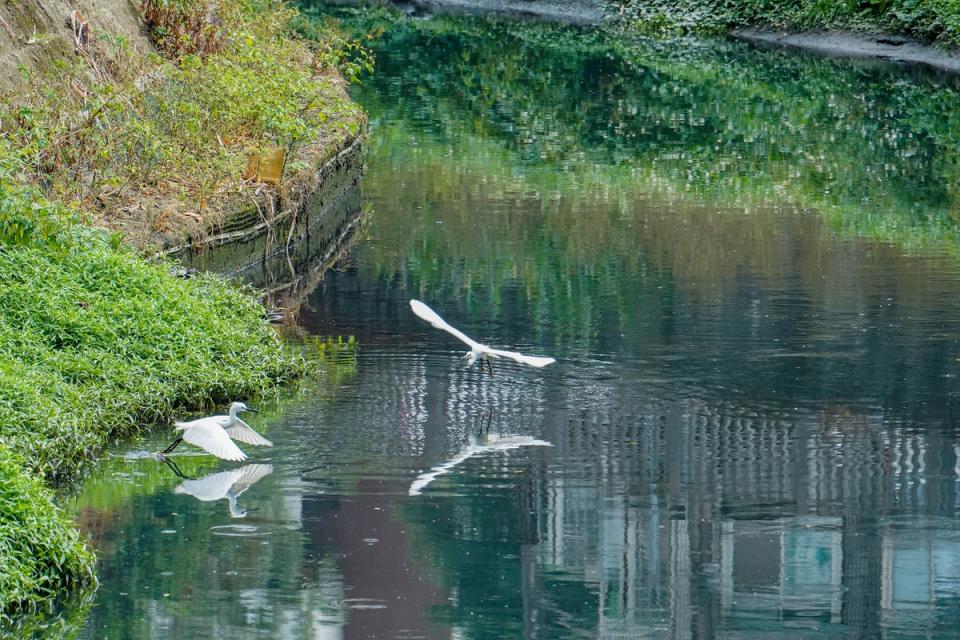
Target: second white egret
[[478, 351], [215, 434]]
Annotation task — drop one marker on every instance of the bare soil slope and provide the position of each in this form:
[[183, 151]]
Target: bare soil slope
[[38, 33]]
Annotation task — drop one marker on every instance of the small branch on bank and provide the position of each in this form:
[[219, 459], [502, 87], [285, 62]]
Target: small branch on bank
[[6, 27]]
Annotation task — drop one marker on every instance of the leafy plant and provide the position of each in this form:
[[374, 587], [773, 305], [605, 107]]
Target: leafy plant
[[40, 549], [929, 20], [180, 27]]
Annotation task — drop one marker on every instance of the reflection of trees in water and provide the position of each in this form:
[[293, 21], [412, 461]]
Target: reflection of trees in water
[[171, 566], [598, 275], [604, 259], [658, 482], [288, 261], [151, 562], [720, 120]]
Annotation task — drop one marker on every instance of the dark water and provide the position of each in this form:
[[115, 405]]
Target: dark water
[[750, 289]]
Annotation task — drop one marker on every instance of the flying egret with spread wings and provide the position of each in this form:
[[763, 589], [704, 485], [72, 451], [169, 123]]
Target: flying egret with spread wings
[[225, 484], [478, 351], [213, 434]]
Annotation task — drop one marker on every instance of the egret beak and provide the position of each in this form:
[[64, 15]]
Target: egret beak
[[251, 410]]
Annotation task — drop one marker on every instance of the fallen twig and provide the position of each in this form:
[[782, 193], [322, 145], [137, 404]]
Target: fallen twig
[[6, 27]]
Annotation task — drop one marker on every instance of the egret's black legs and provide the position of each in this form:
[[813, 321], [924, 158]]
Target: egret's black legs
[[176, 470], [173, 446], [489, 366]]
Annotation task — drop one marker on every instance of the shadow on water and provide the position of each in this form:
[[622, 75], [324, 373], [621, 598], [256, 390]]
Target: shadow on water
[[288, 261], [741, 261]]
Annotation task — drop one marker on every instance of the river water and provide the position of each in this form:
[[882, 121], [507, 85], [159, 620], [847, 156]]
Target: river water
[[744, 263]]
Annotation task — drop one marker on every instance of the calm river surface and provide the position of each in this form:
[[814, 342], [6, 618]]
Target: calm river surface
[[745, 265]]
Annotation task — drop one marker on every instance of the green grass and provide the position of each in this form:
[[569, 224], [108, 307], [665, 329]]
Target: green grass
[[40, 550], [96, 343], [929, 20]]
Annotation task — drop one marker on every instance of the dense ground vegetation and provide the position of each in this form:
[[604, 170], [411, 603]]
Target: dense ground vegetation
[[146, 142], [96, 342], [929, 20]]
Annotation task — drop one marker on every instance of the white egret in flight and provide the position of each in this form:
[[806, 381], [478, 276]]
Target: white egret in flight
[[213, 434], [225, 484], [478, 351], [489, 444]]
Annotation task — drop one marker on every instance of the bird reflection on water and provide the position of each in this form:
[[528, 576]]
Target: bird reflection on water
[[221, 485], [487, 443]]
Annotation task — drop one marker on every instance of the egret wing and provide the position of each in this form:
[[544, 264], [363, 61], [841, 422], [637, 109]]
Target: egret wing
[[249, 475], [210, 487], [244, 433], [180, 426], [431, 316], [422, 480], [213, 439], [533, 361]]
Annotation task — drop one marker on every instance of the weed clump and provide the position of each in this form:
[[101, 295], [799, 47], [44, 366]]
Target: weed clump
[[40, 550], [183, 27]]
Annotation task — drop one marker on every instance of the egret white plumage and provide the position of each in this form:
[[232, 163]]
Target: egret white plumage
[[225, 484], [213, 434], [488, 443], [478, 351]]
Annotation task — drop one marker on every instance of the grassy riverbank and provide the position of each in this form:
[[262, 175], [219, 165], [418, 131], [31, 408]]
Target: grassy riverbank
[[95, 341], [927, 20]]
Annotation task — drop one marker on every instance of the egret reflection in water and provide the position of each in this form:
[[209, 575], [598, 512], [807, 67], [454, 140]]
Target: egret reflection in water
[[487, 444], [225, 485]]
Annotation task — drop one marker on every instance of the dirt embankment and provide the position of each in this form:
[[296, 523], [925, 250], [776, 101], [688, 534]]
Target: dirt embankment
[[36, 34], [49, 37]]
